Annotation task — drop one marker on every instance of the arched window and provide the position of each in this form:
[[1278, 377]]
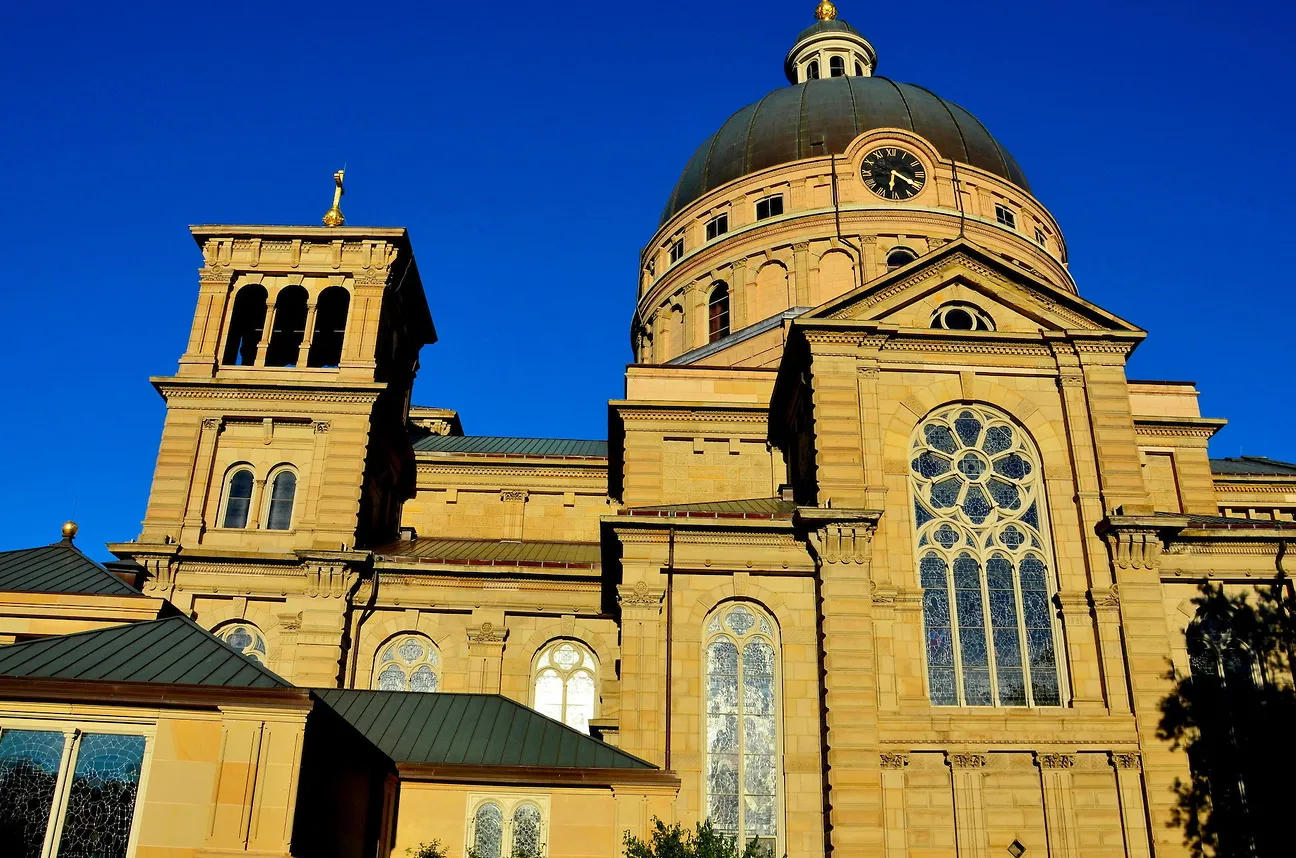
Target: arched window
[[836, 67], [247, 324], [566, 684], [958, 316], [859, 69], [289, 327], [983, 543], [899, 257], [330, 327], [741, 737], [408, 663], [238, 499], [283, 491], [526, 831], [245, 638], [488, 831], [718, 313], [812, 70]]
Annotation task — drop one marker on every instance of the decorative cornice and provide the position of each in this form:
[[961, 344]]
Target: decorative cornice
[[303, 395], [486, 633], [894, 761], [640, 594]]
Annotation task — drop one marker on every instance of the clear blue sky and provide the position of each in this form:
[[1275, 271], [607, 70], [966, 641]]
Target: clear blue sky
[[529, 148]]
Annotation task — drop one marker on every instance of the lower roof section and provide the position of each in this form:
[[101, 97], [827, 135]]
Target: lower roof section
[[491, 552]]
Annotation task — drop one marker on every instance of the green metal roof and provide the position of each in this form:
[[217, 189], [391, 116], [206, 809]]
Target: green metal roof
[[489, 552], [175, 651], [496, 446], [58, 568], [470, 729], [767, 508], [1253, 466]]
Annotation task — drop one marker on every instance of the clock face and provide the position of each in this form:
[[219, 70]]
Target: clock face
[[893, 173]]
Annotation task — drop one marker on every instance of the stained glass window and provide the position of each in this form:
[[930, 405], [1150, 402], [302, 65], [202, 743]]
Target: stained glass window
[[742, 771], [526, 831], [246, 638], [409, 663], [283, 491], [238, 499], [29, 767], [488, 831], [101, 797], [566, 684], [983, 561]]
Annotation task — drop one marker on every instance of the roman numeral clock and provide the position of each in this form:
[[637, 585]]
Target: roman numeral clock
[[893, 173]]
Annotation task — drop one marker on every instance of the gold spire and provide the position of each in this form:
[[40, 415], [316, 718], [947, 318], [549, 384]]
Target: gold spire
[[333, 217], [826, 11]]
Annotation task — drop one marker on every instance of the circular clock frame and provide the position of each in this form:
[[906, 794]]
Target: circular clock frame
[[893, 173]]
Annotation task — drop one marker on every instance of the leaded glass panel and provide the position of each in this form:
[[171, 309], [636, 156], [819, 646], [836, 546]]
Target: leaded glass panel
[[409, 663], [983, 547], [29, 767], [526, 830], [488, 831], [101, 797], [245, 638], [566, 684]]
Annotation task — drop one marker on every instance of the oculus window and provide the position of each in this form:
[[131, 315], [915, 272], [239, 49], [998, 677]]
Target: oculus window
[[244, 638], [984, 561]]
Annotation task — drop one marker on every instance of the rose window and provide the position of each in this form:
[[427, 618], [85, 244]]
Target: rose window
[[409, 663]]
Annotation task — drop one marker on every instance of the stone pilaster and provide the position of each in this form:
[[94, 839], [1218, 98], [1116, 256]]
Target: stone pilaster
[[486, 656], [893, 804], [200, 482], [967, 773], [1129, 791], [642, 673], [1059, 804]]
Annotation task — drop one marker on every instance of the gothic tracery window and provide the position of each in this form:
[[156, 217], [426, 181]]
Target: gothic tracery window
[[245, 638], [741, 737], [566, 684], [409, 663], [984, 561]]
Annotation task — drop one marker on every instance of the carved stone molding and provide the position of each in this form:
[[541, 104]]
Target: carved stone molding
[[211, 424], [372, 278], [1134, 549], [1127, 761], [328, 581], [1068, 379], [640, 594], [894, 761], [1055, 761], [321, 427], [290, 622], [966, 761], [882, 596], [513, 496], [843, 543], [1109, 598], [486, 633]]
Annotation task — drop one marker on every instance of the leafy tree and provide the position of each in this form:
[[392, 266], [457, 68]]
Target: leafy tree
[[427, 850], [1234, 717], [675, 842]]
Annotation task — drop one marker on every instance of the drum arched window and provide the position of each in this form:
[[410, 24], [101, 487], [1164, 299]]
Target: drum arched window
[[742, 704], [238, 498], [984, 561], [566, 683], [408, 663]]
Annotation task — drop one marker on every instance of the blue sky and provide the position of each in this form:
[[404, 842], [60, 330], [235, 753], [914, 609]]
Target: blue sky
[[529, 149]]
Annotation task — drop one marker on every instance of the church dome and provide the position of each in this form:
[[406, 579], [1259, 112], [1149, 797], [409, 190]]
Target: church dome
[[822, 116]]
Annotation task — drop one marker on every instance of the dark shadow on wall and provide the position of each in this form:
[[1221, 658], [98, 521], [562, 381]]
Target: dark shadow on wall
[[1234, 717]]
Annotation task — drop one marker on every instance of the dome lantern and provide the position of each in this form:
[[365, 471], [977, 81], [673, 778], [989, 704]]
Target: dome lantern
[[829, 48]]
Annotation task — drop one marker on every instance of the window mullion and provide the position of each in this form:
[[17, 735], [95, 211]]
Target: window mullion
[[1021, 636], [955, 639], [62, 786], [983, 574], [742, 745]]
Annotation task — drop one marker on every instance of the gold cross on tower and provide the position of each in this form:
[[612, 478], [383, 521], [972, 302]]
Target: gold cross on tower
[[333, 217]]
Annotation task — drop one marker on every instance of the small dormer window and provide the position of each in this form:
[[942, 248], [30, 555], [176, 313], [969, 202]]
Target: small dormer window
[[769, 207], [1005, 216], [812, 70], [837, 67], [676, 250], [962, 317]]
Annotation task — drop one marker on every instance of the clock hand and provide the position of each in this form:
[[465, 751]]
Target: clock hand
[[909, 180], [893, 175]]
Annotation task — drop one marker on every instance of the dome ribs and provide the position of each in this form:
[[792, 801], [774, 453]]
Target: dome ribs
[[932, 122], [828, 118]]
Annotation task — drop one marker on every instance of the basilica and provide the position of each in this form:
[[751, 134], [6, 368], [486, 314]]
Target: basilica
[[884, 555]]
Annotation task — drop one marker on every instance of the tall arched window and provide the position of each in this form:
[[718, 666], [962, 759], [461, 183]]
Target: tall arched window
[[283, 491], [238, 499], [330, 327], [812, 70], [718, 313], [983, 543], [526, 831], [741, 736], [246, 638], [408, 663], [836, 67], [488, 831], [247, 324], [566, 683], [289, 327]]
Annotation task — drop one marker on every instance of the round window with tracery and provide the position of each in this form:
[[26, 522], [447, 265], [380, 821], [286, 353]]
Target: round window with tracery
[[409, 663], [246, 638], [566, 686]]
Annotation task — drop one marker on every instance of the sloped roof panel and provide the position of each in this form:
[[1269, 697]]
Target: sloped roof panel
[[501, 446], [1253, 466], [58, 568]]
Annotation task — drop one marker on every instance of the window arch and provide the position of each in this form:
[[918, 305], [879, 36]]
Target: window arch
[[960, 316], [527, 821], [289, 327], [507, 827], [238, 498], [718, 313], [330, 327], [247, 324], [742, 703], [899, 257], [859, 69], [408, 663], [982, 541], [245, 638], [283, 494], [565, 684], [812, 70], [836, 67], [488, 831]]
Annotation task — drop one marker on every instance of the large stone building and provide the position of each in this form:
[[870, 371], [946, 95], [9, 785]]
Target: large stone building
[[884, 555]]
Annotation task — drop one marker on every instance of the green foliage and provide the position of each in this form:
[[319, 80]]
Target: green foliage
[[427, 850], [675, 842], [522, 852], [1233, 717]]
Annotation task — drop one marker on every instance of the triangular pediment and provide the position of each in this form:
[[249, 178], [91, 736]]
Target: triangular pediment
[[963, 274]]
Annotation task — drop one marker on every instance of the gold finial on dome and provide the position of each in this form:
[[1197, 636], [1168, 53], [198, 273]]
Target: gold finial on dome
[[826, 11], [333, 217], [69, 530]]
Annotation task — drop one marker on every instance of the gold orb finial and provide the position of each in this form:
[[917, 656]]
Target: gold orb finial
[[333, 217], [69, 530], [826, 11]]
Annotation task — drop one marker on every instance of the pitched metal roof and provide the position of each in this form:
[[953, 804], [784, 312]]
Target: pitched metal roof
[[767, 508], [470, 729], [175, 650], [58, 568], [1253, 466], [1229, 522], [498, 446], [490, 552]]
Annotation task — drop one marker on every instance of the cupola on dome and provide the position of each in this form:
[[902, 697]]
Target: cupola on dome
[[834, 98]]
